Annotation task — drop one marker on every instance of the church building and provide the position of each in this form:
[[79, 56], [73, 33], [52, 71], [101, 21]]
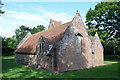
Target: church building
[[60, 48]]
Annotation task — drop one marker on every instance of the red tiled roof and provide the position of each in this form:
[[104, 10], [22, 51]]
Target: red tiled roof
[[56, 23], [53, 35]]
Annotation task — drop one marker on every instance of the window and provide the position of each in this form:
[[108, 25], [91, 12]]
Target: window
[[78, 35], [78, 43], [50, 47], [42, 46]]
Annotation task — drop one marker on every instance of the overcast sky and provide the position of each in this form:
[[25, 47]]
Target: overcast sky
[[32, 14]]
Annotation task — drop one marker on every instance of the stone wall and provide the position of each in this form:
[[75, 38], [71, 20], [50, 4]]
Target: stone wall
[[25, 59], [35, 61], [97, 54], [68, 57]]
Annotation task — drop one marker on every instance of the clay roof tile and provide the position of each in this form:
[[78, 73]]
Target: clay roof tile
[[53, 35]]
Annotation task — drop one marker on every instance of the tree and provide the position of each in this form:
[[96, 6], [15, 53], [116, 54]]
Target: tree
[[105, 18], [92, 30], [1, 12], [37, 29], [8, 46], [110, 0], [117, 46], [9, 43], [111, 47], [21, 32]]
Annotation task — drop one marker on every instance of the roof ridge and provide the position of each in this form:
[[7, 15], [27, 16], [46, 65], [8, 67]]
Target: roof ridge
[[53, 35], [56, 21], [60, 25], [50, 28]]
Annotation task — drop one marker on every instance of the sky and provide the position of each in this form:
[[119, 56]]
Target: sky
[[32, 14]]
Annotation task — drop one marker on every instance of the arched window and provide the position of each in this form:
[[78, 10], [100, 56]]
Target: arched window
[[43, 45], [78, 43]]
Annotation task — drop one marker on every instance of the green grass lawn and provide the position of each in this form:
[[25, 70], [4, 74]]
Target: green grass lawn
[[11, 69]]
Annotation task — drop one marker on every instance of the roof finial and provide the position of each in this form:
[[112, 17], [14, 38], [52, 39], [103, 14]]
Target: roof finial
[[96, 34], [50, 20], [77, 11]]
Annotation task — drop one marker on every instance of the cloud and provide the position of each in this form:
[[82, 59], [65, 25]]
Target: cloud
[[54, 15], [37, 15], [19, 5], [6, 27], [25, 16], [12, 19]]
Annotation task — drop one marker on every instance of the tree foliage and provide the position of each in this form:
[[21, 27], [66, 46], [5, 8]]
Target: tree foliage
[[1, 12], [112, 46], [36, 29], [9, 43], [8, 46], [105, 18], [23, 30]]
